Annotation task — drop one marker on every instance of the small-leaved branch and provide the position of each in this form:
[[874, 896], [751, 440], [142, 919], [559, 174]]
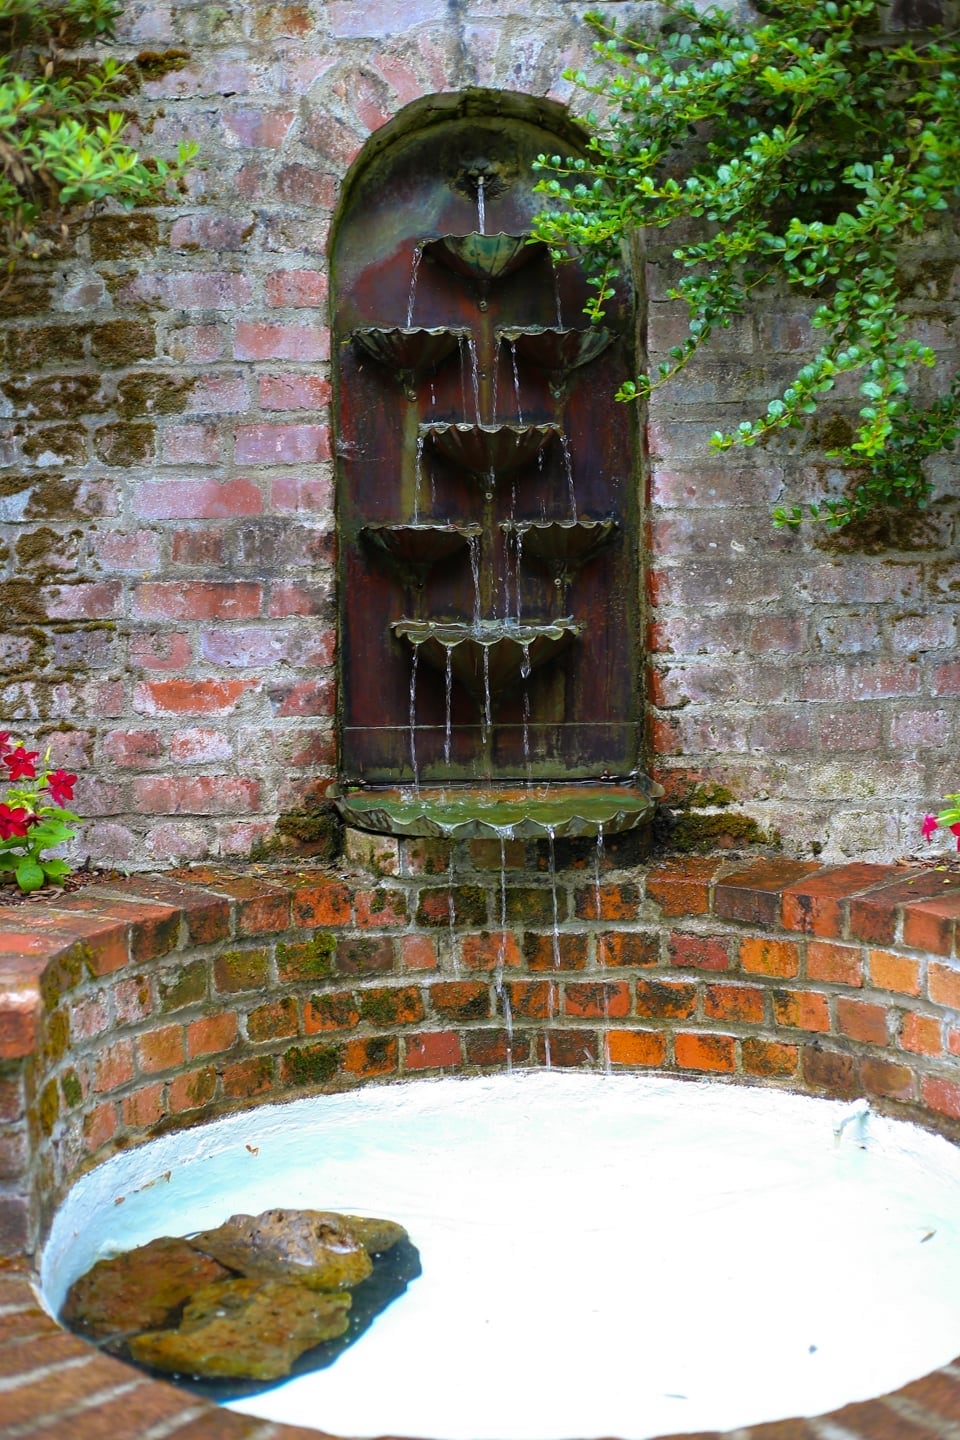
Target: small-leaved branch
[[812, 150]]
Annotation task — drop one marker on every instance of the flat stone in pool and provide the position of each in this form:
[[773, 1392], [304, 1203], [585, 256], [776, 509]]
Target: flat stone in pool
[[602, 1255]]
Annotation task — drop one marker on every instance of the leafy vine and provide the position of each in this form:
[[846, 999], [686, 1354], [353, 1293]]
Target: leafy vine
[[812, 149]]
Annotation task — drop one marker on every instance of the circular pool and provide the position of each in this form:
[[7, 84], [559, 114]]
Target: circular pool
[[602, 1255]]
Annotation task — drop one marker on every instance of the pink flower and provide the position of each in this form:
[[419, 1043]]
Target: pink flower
[[14, 824], [955, 830], [60, 785], [20, 763], [929, 825], [4, 742]]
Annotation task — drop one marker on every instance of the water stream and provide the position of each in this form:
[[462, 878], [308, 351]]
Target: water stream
[[516, 380], [448, 697], [481, 206], [414, 274], [413, 716]]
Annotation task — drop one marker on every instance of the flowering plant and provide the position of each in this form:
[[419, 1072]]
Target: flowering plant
[[32, 815], [948, 818]]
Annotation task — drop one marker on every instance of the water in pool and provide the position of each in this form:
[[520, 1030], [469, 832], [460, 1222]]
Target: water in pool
[[602, 1255]]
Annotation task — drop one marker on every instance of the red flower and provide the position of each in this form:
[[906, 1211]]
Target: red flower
[[60, 785], [4, 742], [14, 824], [955, 830], [20, 763], [928, 826]]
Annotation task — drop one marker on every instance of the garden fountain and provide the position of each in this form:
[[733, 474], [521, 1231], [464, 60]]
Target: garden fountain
[[487, 509]]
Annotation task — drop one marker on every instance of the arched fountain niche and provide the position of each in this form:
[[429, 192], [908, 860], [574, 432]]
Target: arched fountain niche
[[487, 495]]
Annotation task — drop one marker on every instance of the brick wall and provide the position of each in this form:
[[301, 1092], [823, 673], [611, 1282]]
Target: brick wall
[[157, 1002], [166, 483]]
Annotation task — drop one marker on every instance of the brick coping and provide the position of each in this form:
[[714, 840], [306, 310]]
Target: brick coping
[[159, 1001]]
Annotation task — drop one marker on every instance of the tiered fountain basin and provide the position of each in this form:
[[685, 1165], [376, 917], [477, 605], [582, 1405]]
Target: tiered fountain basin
[[145, 1006], [498, 812], [487, 657]]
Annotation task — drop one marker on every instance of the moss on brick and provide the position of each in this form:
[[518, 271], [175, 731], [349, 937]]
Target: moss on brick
[[67, 442], [702, 832], [311, 960], [71, 1088], [469, 906], [241, 970], [116, 237], [48, 1107], [61, 975], [310, 1064], [155, 64], [58, 1036], [54, 397], [121, 342], [147, 393], [124, 445], [184, 986]]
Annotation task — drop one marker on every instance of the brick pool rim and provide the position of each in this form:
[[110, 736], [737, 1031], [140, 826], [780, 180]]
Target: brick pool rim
[[133, 1007]]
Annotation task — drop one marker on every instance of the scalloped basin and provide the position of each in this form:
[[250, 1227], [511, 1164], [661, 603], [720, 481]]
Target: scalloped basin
[[557, 350], [419, 546], [515, 812], [490, 657], [413, 351], [484, 257], [489, 450], [567, 543]]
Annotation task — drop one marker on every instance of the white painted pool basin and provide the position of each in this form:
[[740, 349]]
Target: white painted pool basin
[[602, 1255]]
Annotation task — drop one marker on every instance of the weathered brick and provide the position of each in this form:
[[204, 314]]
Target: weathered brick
[[697, 1051]]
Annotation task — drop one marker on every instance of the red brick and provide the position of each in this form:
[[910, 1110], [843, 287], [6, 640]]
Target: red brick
[[937, 1392], [293, 392], [682, 887], [836, 964], [532, 999], [920, 1034], [248, 1078], [195, 795], [860, 1021], [419, 952], [699, 952], [742, 1003], [761, 956], [894, 972], [260, 907], [768, 1057], [496, 1047], [801, 1009], [597, 1001], [818, 905], [489, 950], [161, 1049], [830, 1071], [198, 600], [334, 1010], [665, 999], [321, 902], [636, 1047], [211, 1034], [113, 1066], [943, 985], [169, 650], [607, 902], [154, 930], [181, 696], [192, 1091], [941, 1095], [461, 999], [931, 925], [431, 1051], [391, 1005], [274, 1021], [540, 954], [255, 340], [299, 289], [873, 916], [565, 1048], [753, 895], [887, 1079], [365, 956], [19, 1023], [294, 444], [196, 500], [143, 1108], [377, 1056], [706, 1052], [99, 1126]]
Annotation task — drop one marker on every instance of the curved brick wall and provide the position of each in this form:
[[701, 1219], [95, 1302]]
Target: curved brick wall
[[162, 1001]]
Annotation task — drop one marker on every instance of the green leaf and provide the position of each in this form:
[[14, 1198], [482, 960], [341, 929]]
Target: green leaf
[[29, 874]]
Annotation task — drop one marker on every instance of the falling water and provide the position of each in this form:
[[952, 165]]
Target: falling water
[[516, 380], [413, 716], [414, 272], [518, 552], [597, 862], [568, 466], [449, 702], [556, 293], [418, 477], [552, 994], [487, 703], [481, 206], [475, 375], [463, 345], [473, 542], [525, 668]]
